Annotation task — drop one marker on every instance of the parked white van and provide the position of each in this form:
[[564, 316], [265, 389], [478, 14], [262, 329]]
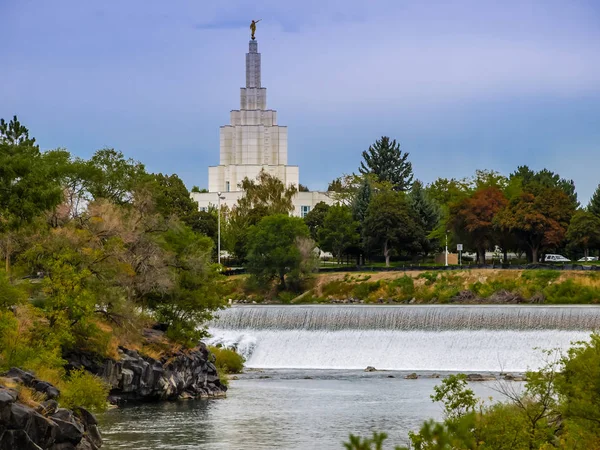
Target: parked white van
[[555, 258]]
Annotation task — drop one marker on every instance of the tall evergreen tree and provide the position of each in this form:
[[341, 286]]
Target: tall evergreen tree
[[385, 160], [428, 212], [362, 200], [594, 205], [27, 187]]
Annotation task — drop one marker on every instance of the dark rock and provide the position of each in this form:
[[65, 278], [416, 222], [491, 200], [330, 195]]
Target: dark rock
[[136, 378], [465, 296], [64, 446], [370, 369], [41, 430], [93, 436], [46, 388], [480, 377], [68, 431], [25, 377], [412, 376], [506, 297], [48, 407], [17, 440], [20, 415], [63, 414], [391, 376], [7, 398], [510, 377], [86, 417]]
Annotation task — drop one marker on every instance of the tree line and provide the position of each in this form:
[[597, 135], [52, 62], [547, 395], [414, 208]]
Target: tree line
[[94, 251], [382, 211]]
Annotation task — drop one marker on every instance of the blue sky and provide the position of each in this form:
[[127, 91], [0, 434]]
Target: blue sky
[[462, 85]]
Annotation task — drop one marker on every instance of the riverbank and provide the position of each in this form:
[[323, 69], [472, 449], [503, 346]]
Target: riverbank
[[477, 286]]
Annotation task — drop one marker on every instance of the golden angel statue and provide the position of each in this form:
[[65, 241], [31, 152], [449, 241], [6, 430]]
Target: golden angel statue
[[253, 27]]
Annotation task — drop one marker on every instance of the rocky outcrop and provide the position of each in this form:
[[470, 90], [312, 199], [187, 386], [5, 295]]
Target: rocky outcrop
[[45, 426], [133, 377]]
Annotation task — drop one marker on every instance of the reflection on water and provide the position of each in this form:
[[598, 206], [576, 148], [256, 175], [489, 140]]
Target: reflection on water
[[290, 410]]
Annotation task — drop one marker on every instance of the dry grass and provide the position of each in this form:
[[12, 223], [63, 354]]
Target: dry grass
[[30, 397], [27, 396]]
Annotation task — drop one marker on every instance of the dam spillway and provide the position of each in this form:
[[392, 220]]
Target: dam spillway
[[425, 337]]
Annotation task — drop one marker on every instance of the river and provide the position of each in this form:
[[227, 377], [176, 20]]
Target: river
[[305, 386]]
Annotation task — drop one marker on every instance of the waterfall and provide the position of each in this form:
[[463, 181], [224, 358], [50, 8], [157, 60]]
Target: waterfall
[[419, 338]]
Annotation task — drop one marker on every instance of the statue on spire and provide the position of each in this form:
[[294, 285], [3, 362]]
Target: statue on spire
[[253, 27]]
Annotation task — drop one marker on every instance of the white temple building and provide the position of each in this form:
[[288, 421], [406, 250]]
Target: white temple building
[[253, 141]]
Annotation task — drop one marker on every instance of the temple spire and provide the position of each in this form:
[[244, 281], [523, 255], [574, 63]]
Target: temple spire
[[253, 66]]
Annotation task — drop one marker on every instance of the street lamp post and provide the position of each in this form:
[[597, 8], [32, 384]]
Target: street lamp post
[[446, 247], [219, 198]]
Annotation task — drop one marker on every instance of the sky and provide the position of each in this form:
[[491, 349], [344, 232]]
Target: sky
[[461, 84]]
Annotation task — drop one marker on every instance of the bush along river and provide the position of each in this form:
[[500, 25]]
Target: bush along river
[[305, 384]]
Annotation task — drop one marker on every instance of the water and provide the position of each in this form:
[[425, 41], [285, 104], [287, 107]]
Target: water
[[305, 387], [285, 411], [450, 338]]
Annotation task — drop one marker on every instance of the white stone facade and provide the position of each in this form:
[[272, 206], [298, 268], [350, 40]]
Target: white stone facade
[[253, 141]]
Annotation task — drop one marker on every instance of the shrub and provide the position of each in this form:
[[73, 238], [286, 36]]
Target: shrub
[[287, 296], [362, 290], [570, 292], [486, 289], [337, 288], [9, 294], [85, 390], [430, 277], [227, 360], [403, 286]]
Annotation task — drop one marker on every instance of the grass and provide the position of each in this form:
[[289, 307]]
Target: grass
[[551, 286]]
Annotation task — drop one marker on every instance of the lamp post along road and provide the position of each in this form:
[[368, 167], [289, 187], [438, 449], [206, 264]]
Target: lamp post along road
[[446, 248], [219, 198]]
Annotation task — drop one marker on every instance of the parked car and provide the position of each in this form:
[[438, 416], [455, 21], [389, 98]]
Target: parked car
[[555, 258], [588, 258]]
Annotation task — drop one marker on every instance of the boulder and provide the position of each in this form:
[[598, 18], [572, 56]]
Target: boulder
[[70, 432], [480, 377], [412, 376], [17, 439], [370, 369]]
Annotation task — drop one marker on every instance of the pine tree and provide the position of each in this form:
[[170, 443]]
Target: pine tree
[[362, 200], [594, 205], [425, 208], [385, 160]]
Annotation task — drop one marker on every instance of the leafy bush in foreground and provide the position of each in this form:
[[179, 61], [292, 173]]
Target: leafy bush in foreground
[[558, 408]]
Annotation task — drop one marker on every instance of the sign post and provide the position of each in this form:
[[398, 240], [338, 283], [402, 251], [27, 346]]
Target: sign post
[[459, 248]]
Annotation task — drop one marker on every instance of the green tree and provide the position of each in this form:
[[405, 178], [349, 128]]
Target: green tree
[[302, 188], [267, 192], [546, 178], [265, 196], [594, 204], [390, 223], [362, 200], [314, 219], [273, 248], [584, 231], [539, 218], [428, 213], [113, 177], [195, 292], [385, 160], [339, 231], [171, 198], [27, 187]]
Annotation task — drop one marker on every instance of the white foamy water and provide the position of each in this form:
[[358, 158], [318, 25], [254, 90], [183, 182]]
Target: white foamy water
[[419, 338]]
